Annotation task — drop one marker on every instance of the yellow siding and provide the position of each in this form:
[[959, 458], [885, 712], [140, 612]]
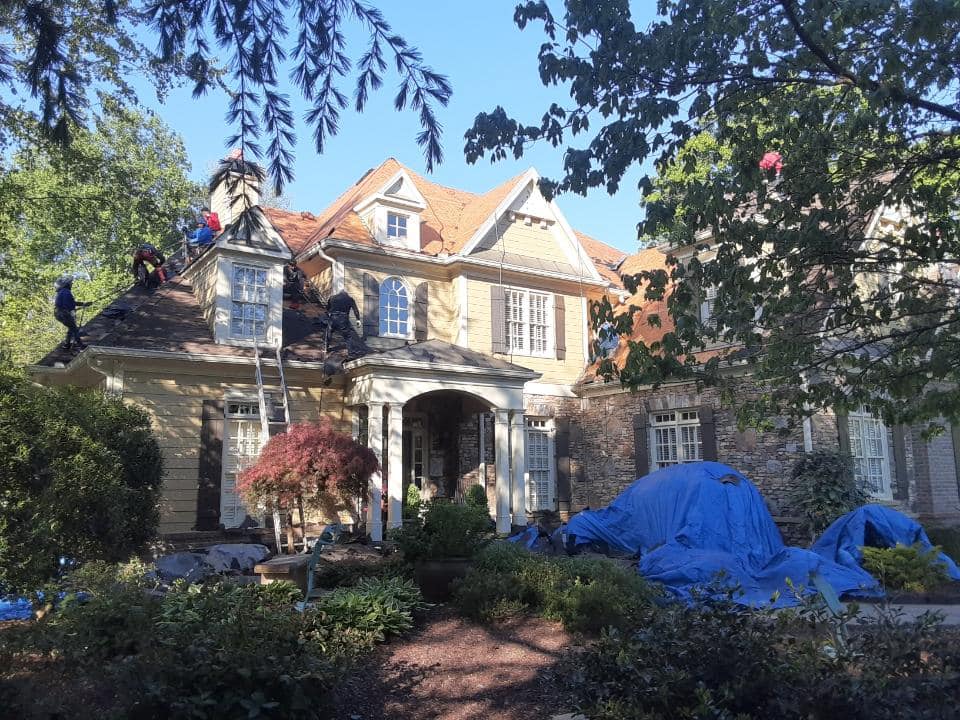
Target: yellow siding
[[175, 403], [520, 239], [204, 282], [441, 305], [479, 335], [320, 273]]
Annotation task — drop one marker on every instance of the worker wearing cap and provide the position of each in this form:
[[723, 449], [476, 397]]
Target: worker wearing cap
[[64, 307]]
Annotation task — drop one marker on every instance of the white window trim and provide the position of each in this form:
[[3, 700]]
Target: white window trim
[[550, 351], [243, 339], [411, 303], [676, 423], [549, 429], [862, 416], [227, 449]]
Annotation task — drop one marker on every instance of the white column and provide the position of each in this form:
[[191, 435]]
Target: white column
[[375, 443], [502, 442], [395, 466], [518, 445]]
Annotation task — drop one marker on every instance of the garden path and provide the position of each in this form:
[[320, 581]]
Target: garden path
[[452, 669]]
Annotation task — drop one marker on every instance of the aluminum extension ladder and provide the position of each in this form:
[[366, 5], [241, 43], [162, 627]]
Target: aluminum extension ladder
[[265, 418]]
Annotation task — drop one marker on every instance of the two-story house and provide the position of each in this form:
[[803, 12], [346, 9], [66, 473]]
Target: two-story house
[[473, 332]]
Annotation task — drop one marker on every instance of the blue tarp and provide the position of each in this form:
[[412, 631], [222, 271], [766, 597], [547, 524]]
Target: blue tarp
[[15, 608], [873, 526], [689, 522]]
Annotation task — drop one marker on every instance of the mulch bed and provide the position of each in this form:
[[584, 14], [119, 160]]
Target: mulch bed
[[946, 594], [452, 669]]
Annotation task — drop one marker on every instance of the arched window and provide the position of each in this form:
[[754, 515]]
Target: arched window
[[394, 308]]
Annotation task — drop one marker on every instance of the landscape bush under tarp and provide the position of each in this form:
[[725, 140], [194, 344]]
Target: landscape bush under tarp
[[692, 521], [874, 526]]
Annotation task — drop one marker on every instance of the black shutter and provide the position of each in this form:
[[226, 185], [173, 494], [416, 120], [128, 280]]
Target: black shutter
[[843, 432], [371, 305], [561, 445], [420, 312], [498, 320], [708, 432], [559, 327], [641, 445], [210, 465], [901, 483]]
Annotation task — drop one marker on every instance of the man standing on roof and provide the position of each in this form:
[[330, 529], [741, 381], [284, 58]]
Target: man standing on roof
[[64, 307], [212, 220]]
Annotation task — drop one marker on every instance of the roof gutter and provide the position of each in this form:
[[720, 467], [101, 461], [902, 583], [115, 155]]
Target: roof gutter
[[373, 361]]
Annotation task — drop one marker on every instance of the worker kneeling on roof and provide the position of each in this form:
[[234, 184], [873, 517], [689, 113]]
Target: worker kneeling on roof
[[64, 309], [148, 254]]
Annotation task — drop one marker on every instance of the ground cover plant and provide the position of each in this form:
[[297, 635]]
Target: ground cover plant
[[906, 567], [216, 650], [586, 594], [721, 660]]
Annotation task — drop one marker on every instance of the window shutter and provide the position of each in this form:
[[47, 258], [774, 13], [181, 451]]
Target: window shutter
[[559, 327], [708, 433], [843, 432], [498, 319], [561, 444], [371, 305], [955, 437], [901, 482], [210, 465], [641, 445], [420, 313]]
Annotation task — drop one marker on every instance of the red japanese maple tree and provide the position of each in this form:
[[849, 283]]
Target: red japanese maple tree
[[305, 464]]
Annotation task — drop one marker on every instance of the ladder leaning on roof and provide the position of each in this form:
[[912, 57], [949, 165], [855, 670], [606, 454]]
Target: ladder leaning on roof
[[266, 419]]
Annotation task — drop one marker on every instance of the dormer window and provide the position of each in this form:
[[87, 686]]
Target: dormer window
[[251, 299], [396, 226]]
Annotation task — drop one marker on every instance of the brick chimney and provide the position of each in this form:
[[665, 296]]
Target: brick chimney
[[235, 186]]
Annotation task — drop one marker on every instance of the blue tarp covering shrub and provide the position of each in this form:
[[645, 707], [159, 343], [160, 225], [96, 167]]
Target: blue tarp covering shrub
[[691, 522], [875, 526]]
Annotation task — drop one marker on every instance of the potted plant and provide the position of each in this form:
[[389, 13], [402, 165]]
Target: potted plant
[[440, 543]]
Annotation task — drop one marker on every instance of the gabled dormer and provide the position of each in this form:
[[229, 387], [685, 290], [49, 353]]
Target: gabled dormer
[[239, 280], [392, 214]]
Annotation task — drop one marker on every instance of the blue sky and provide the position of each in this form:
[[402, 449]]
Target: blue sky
[[489, 62]]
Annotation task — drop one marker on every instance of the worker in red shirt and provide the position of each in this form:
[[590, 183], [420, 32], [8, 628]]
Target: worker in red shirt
[[148, 254], [212, 220]]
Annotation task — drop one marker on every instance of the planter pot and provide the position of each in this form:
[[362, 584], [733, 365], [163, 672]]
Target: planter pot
[[435, 576]]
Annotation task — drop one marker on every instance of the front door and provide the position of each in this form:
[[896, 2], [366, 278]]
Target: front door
[[241, 447]]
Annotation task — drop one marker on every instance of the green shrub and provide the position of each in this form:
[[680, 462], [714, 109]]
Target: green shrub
[[80, 477], [476, 496], [444, 530], [724, 661], [586, 594], [822, 489], [947, 538], [905, 567], [219, 650], [347, 573], [411, 502]]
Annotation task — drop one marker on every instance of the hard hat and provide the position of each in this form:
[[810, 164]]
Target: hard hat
[[63, 281]]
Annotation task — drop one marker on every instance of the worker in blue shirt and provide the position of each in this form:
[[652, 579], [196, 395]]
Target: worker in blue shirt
[[64, 307]]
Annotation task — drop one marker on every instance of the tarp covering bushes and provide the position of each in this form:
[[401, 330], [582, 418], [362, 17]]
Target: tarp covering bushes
[[690, 522], [874, 526]]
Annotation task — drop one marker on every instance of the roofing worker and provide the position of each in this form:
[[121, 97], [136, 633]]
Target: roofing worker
[[147, 253], [202, 236], [212, 220], [64, 307]]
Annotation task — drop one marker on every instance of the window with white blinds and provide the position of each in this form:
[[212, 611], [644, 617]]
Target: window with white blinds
[[244, 439], [675, 438], [529, 322], [541, 474], [871, 459]]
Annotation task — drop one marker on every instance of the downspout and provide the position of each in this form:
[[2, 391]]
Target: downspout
[[113, 378], [337, 278]]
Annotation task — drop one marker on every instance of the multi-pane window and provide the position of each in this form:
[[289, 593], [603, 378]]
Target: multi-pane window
[[675, 437], [241, 450], [539, 465], [528, 324], [707, 307], [394, 308], [396, 225], [868, 446], [250, 294]]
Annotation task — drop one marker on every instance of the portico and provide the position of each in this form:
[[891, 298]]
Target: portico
[[418, 394]]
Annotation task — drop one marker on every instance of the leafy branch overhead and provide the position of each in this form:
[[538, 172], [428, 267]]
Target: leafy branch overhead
[[806, 192], [63, 48]]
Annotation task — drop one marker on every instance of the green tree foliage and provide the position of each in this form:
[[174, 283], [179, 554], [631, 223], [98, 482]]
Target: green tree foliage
[[80, 477], [825, 305], [822, 488], [83, 211], [65, 51]]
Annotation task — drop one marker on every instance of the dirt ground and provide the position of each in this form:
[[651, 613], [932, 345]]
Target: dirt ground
[[451, 669]]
